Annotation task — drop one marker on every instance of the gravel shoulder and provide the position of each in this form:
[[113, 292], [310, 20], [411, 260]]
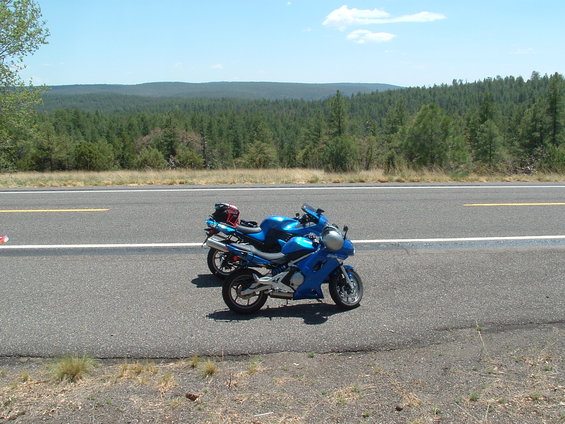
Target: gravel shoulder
[[511, 375]]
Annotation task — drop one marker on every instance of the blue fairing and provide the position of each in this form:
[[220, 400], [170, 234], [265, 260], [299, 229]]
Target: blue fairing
[[347, 250], [298, 244]]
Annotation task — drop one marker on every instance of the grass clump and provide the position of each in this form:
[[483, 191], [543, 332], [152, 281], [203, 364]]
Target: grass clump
[[72, 368], [209, 368], [132, 370]]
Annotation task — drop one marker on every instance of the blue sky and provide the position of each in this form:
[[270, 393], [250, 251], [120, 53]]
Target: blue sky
[[407, 43]]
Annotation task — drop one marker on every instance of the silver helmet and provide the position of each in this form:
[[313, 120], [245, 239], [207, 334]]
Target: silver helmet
[[332, 238]]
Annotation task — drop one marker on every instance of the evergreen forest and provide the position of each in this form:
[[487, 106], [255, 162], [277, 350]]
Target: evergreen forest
[[508, 125]]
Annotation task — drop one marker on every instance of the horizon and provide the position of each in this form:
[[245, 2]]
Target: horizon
[[302, 42]]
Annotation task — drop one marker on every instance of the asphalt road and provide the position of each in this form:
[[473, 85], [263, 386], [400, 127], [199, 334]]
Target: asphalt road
[[159, 300]]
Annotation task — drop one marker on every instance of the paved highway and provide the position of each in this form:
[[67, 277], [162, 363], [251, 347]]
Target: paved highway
[[64, 290]]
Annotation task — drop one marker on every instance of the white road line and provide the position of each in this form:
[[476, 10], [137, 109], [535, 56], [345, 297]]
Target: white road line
[[100, 246], [460, 239], [180, 245], [287, 188]]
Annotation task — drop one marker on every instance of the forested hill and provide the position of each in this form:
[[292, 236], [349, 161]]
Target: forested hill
[[502, 124], [113, 96]]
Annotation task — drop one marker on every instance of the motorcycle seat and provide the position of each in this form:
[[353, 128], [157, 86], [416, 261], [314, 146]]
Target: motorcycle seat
[[277, 258], [248, 230]]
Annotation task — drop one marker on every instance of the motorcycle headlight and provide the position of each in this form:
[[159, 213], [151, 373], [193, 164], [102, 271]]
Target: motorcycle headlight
[[332, 238]]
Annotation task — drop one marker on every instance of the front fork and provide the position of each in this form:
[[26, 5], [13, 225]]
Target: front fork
[[348, 281]]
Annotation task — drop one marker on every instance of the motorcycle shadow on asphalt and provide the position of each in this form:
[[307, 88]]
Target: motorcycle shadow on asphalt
[[311, 313], [204, 281]]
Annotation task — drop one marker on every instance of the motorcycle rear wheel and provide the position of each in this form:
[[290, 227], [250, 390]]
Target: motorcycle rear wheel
[[220, 263], [234, 285], [344, 296]]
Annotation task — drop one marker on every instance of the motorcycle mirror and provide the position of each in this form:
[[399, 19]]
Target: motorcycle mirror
[[345, 230]]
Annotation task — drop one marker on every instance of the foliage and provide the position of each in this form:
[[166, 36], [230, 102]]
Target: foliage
[[496, 125], [22, 32]]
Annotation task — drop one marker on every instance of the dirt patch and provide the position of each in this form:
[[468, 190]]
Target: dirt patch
[[481, 376]]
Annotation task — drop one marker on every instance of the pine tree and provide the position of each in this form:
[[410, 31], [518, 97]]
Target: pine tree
[[338, 116]]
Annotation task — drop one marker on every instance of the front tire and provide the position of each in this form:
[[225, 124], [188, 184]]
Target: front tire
[[342, 294], [220, 264], [237, 302]]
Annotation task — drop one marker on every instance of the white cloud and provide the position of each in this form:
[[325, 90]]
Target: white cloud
[[217, 66], [363, 36], [345, 17], [419, 17]]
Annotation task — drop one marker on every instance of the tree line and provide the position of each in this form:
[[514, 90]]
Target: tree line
[[496, 125]]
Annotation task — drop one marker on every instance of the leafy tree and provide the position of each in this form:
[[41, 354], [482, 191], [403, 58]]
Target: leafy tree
[[48, 151], [22, 32], [94, 156], [150, 158], [260, 155], [187, 158]]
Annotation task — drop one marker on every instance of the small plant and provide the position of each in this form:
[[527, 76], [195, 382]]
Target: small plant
[[24, 377], [194, 361], [311, 354], [138, 368], [473, 396], [72, 368], [254, 366], [210, 368], [167, 380]]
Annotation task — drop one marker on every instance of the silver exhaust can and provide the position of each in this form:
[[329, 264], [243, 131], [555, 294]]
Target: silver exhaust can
[[215, 243]]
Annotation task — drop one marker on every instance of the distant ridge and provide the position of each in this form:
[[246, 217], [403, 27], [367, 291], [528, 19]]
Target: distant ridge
[[238, 90]]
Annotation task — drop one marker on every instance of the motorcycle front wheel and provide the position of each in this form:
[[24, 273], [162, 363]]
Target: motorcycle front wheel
[[235, 300], [220, 263], [342, 294]]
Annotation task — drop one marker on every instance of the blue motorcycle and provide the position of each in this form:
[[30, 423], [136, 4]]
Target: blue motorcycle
[[224, 227], [296, 272]]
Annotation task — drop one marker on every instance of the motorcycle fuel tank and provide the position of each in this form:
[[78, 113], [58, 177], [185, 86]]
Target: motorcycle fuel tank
[[298, 246]]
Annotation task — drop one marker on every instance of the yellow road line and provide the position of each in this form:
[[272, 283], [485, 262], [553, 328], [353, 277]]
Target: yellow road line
[[515, 204], [50, 210]]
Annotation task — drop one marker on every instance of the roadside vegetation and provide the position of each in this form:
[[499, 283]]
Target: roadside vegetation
[[511, 376], [277, 176]]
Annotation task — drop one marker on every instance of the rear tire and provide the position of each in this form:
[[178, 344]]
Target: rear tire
[[344, 296], [220, 263], [234, 285]]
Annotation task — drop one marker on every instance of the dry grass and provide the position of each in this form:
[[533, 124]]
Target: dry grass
[[70, 368], [519, 382], [247, 176]]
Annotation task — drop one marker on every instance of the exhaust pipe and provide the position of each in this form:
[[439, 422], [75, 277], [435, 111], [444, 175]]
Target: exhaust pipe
[[215, 244]]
